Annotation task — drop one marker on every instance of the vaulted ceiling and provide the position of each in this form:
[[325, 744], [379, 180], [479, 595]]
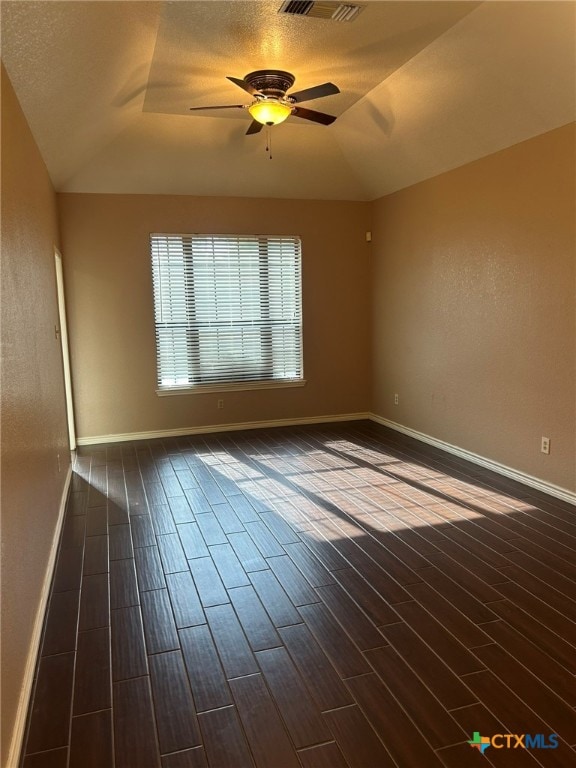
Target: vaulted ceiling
[[424, 87]]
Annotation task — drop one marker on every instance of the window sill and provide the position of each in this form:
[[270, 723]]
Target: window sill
[[202, 389]]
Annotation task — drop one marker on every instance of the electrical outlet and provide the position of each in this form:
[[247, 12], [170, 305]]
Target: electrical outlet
[[396, 399], [545, 445], [220, 404]]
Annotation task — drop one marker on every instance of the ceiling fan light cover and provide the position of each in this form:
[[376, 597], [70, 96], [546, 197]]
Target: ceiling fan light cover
[[269, 112]]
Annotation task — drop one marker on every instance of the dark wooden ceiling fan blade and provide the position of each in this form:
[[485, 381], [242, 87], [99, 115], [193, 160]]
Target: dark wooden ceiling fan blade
[[243, 84], [254, 127], [225, 106], [311, 114], [326, 89]]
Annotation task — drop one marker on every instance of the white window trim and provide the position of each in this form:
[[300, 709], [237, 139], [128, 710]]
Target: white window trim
[[202, 389]]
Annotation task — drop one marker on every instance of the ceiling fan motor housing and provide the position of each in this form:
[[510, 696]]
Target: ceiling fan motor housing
[[270, 82]]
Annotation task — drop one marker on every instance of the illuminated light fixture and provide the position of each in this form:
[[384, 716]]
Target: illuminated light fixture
[[269, 111]]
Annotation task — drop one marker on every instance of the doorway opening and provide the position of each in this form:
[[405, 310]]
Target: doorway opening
[[65, 351]]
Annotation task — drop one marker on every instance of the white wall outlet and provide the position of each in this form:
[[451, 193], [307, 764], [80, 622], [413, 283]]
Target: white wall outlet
[[220, 404], [396, 399], [545, 445]]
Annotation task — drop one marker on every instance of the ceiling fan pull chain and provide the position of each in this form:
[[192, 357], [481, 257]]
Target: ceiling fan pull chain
[[269, 141]]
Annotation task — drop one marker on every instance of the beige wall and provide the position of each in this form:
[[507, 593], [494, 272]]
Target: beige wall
[[33, 409], [474, 306], [105, 240]]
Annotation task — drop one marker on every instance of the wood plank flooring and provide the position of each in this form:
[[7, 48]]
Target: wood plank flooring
[[335, 596]]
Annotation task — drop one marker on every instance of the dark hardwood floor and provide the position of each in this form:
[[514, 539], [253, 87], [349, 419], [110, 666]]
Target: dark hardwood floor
[[326, 597]]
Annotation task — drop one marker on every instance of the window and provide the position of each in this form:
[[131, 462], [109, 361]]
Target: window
[[227, 311]]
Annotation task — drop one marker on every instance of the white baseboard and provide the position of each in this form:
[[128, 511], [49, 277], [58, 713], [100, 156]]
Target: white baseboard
[[119, 438], [495, 466], [34, 647]]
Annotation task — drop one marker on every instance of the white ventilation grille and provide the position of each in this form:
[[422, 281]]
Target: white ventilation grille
[[333, 11]]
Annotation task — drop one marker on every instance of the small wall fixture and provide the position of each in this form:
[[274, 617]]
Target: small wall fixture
[[269, 111]]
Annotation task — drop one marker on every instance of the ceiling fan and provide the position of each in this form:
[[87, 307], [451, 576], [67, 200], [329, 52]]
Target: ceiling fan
[[271, 104]]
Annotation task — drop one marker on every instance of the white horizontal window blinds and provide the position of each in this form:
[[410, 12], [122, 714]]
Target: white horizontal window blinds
[[227, 309]]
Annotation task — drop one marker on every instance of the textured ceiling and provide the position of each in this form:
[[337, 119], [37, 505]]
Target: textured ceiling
[[425, 87]]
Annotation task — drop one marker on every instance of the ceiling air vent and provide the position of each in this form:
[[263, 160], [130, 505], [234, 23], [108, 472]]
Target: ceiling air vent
[[333, 11]]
